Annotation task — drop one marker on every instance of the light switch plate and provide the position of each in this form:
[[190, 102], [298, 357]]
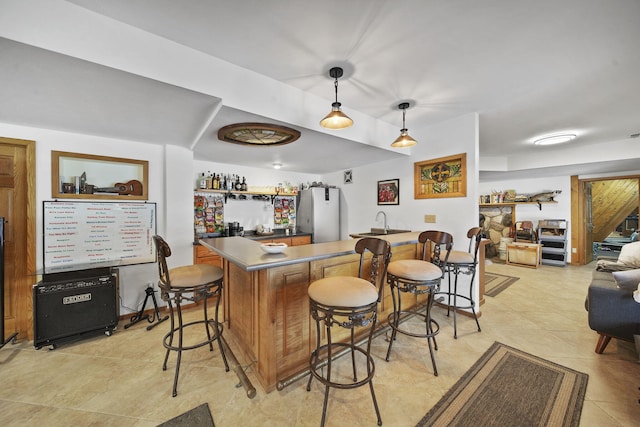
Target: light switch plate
[[430, 219]]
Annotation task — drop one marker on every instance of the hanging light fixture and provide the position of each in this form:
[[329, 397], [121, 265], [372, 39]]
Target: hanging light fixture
[[336, 119], [404, 140]]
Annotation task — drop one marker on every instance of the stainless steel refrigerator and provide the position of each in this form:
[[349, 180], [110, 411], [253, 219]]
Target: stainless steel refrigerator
[[319, 213]]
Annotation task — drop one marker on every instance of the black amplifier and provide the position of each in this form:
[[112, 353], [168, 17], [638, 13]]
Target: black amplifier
[[69, 309]]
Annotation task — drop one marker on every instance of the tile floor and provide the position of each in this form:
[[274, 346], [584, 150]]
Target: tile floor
[[118, 380]]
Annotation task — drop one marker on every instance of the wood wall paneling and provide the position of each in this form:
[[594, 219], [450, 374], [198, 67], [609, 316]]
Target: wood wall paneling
[[18, 206], [612, 201]]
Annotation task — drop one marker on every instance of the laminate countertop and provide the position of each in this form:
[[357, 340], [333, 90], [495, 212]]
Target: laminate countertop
[[249, 256]]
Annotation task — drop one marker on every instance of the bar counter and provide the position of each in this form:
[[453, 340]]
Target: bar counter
[[248, 255], [266, 305]]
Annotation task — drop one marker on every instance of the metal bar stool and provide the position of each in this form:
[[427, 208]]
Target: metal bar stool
[[202, 281], [419, 277], [348, 302], [465, 263]]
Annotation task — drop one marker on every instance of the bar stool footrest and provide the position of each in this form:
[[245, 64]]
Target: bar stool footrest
[[217, 329], [392, 316], [316, 363]]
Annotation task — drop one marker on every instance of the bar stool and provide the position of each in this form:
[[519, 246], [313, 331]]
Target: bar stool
[[419, 277], [348, 302], [465, 263], [202, 281]]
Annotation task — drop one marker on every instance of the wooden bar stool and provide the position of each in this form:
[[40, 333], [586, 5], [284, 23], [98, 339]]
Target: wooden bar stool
[[419, 277], [201, 281], [348, 302], [463, 262]]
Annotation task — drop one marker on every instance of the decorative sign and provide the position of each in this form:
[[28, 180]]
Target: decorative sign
[[97, 233], [443, 177]]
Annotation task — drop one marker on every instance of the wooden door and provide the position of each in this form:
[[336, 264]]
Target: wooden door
[[17, 206], [588, 201]]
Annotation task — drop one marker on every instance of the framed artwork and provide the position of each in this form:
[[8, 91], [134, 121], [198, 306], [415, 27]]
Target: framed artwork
[[443, 177], [389, 192]]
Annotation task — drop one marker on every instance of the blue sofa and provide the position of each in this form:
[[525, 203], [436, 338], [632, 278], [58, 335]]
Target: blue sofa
[[613, 313]]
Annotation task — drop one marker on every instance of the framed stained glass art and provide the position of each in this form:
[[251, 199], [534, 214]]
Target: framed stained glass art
[[442, 177]]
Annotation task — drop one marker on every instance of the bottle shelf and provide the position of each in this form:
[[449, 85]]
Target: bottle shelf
[[227, 193], [249, 192]]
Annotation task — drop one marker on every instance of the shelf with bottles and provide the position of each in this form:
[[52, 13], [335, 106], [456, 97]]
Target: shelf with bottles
[[224, 181], [269, 192]]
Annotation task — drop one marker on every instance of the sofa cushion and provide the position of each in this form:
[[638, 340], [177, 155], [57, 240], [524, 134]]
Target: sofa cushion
[[609, 265], [602, 276], [630, 254], [628, 279]]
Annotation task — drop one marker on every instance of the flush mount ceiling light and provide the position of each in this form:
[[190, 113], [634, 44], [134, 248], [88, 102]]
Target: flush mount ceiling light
[[277, 165], [404, 140], [257, 134], [336, 119], [555, 139]]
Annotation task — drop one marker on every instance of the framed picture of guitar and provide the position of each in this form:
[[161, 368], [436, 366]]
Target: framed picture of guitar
[[88, 176]]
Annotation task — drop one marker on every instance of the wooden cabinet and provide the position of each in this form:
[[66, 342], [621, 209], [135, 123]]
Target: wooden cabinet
[[300, 240], [286, 240], [202, 255], [290, 241], [524, 254], [268, 312]]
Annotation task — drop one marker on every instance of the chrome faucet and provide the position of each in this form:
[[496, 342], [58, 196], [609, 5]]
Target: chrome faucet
[[384, 217]]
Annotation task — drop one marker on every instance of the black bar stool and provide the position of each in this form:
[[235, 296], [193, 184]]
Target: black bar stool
[[202, 281], [465, 263], [419, 277], [348, 302]]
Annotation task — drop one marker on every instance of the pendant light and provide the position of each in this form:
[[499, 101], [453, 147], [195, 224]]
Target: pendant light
[[336, 119], [404, 140]]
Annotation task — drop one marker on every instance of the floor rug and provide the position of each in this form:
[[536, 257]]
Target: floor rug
[[508, 387], [200, 416], [495, 283]]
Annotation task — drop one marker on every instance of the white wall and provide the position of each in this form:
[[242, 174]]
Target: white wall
[[454, 215], [561, 210], [174, 219], [172, 189]]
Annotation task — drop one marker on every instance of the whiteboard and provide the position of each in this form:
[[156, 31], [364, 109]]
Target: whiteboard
[[78, 233]]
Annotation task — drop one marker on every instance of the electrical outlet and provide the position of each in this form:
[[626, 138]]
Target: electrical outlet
[[574, 250], [430, 219]]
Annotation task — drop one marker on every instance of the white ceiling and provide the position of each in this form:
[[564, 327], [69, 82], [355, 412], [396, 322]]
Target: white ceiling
[[528, 68]]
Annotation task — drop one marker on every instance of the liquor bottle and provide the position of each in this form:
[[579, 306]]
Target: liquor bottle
[[238, 185], [209, 181], [202, 182], [224, 182], [244, 184]]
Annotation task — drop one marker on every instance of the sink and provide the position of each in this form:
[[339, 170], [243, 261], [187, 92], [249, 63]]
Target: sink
[[379, 232]]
